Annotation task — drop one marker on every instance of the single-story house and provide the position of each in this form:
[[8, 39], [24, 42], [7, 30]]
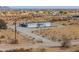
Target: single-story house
[[36, 24], [76, 16]]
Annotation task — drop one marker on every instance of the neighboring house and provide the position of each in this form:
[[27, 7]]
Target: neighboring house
[[36, 24], [76, 16], [73, 16], [55, 13]]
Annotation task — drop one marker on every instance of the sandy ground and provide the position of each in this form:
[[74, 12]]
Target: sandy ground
[[70, 29]]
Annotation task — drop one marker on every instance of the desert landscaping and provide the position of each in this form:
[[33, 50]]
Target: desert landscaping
[[39, 30]]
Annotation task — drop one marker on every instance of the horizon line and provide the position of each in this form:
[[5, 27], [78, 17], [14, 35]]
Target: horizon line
[[44, 7]]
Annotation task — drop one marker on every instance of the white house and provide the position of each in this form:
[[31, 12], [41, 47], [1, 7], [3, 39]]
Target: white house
[[31, 25], [36, 24]]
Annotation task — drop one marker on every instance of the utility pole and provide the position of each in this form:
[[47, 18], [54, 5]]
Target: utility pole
[[15, 28]]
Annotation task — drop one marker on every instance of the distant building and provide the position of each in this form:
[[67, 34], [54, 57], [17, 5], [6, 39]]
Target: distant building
[[76, 16], [73, 16], [36, 24], [55, 13]]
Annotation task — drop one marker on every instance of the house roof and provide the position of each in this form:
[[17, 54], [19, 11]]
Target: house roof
[[39, 22], [36, 22]]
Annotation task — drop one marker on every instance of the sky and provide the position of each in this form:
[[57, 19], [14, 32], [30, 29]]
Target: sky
[[45, 7]]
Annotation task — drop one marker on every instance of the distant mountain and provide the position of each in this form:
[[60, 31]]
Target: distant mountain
[[5, 8], [45, 7]]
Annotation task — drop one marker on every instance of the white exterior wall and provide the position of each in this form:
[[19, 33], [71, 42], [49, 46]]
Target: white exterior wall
[[32, 25], [47, 24], [36, 24], [42, 24]]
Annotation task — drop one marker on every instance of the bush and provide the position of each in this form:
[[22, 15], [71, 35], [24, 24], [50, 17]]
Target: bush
[[20, 50], [14, 41], [64, 24], [61, 11], [76, 51], [40, 50], [2, 24], [2, 37], [66, 41]]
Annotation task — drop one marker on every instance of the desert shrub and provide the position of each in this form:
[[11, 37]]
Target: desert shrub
[[64, 24], [53, 38], [2, 24], [71, 24], [0, 41], [61, 11], [76, 51], [59, 40], [66, 41], [14, 41], [20, 50], [40, 41], [28, 50], [40, 50], [2, 37], [1, 51], [65, 12]]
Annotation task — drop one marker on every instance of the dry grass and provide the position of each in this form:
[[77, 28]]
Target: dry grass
[[57, 33], [7, 36]]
